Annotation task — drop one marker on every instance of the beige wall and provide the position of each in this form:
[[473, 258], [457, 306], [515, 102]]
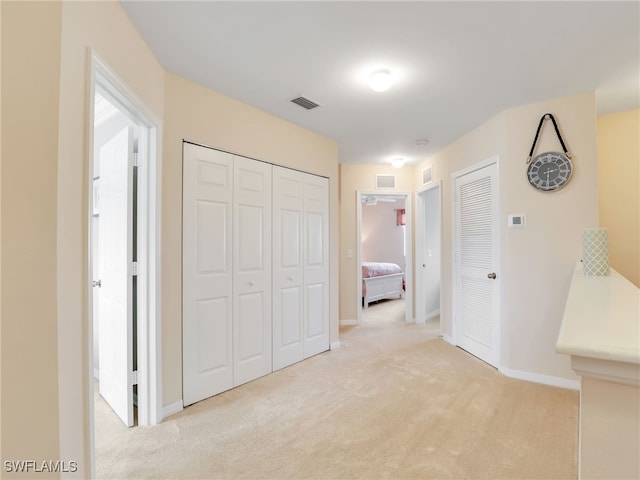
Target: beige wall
[[48, 109], [203, 116], [87, 25], [30, 83], [480, 144], [352, 179], [619, 188], [537, 261]]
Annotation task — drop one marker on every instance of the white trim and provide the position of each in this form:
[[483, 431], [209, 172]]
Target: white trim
[[448, 339], [172, 409], [408, 273], [539, 378], [335, 345], [150, 409]]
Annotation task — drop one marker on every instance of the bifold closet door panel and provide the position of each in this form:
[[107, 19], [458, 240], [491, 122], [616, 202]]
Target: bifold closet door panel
[[316, 265], [207, 272], [252, 331], [288, 287]]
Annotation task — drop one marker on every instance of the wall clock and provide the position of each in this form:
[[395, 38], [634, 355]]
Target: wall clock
[[549, 171]]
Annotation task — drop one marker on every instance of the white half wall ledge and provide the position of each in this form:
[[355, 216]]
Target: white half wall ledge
[[540, 378], [172, 409]]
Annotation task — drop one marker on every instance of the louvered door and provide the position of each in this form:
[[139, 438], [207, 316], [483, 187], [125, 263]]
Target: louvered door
[[477, 281]]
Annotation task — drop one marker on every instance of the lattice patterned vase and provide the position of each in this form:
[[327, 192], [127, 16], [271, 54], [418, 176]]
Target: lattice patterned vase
[[595, 252]]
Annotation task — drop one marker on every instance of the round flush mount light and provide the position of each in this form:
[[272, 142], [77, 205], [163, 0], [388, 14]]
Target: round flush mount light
[[397, 162], [380, 80]]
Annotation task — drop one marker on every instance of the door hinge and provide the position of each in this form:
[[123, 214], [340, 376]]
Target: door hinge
[[133, 377], [136, 160], [134, 269]]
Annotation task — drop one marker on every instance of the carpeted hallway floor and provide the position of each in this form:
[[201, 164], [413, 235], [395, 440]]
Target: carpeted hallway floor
[[393, 402]]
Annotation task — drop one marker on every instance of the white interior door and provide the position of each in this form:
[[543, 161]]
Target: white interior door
[[316, 265], [252, 336], [207, 273], [288, 289], [115, 246], [428, 254], [477, 280]]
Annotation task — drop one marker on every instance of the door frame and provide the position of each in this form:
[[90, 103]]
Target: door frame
[[420, 245], [148, 244], [408, 274], [455, 308]]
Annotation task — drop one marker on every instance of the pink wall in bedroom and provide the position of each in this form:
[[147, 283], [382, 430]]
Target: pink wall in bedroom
[[382, 239]]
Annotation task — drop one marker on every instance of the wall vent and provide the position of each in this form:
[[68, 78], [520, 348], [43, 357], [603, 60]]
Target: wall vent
[[305, 103], [426, 175], [385, 181]]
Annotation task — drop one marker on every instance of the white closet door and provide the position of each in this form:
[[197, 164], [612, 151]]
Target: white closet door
[[252, 335], [207, 273], [288, 287], [477, 279], [316, 265]]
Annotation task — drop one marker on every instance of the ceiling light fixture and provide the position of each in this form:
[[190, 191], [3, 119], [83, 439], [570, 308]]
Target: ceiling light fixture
[[380, 80], [397, 162]]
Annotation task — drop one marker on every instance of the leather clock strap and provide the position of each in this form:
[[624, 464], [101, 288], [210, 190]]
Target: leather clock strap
[[546, 116]]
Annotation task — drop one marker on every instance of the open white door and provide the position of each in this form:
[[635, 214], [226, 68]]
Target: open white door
[[477, 280], [115, 247], [428, 253]]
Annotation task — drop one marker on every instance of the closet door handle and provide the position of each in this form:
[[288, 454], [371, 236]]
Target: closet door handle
[[290, 279], [252, 283]]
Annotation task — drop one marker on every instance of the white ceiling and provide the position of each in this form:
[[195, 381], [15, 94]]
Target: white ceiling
[[455, 64]]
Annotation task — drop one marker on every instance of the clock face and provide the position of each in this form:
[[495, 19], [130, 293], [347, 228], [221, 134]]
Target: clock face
[[549, 171]]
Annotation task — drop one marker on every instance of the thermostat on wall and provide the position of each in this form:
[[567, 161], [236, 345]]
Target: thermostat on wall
[[518, 221]]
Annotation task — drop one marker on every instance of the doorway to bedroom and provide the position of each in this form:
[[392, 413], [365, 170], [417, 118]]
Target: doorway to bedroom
[[384, 257]]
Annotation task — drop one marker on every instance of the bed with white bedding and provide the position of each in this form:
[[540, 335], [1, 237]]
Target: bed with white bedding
[[381, 281]]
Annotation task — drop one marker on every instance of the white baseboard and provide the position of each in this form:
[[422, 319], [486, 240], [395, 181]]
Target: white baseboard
[[348, 323], [543, 379], [334, 345], [172, 409], [448, 339]]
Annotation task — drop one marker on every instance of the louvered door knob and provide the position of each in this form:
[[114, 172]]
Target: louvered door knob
[[492, 276], [96, 283]]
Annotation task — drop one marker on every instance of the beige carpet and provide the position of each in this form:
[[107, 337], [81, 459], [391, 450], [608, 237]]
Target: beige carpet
[[394, 402]]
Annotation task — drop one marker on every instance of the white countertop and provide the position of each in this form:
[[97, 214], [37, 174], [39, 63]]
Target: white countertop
[[601, 318]]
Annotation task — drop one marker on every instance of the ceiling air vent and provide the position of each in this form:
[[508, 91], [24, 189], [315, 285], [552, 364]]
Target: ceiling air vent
[[426, 176], [305, 103], [385, 181]]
